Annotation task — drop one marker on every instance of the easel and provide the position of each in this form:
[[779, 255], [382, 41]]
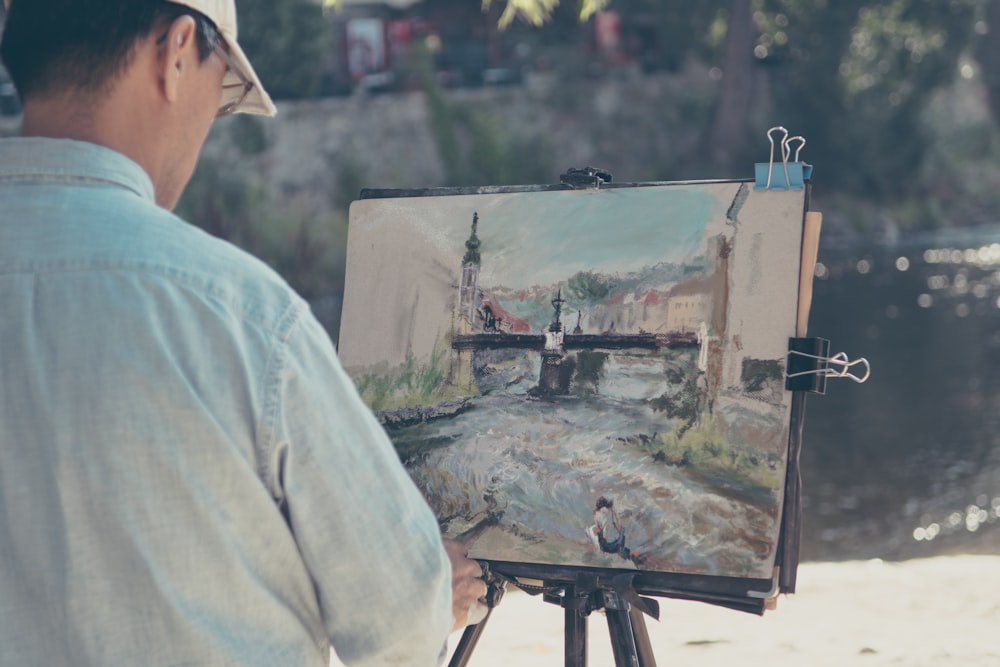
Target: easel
[[580, 591], [623, 607]]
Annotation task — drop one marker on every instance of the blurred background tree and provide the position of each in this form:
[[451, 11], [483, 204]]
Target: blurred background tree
[[873, 86], [854, 77], [288, 43]]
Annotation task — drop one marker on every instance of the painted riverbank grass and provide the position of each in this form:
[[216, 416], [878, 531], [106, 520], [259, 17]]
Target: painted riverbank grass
[[704, 451], [411, 383]]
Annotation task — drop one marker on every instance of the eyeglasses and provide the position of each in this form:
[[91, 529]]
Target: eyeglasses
[[233, 93]]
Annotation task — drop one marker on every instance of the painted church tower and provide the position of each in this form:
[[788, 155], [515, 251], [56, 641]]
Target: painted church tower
[[469, 288]]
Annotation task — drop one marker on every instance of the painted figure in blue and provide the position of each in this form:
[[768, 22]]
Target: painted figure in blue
[[607, 530]]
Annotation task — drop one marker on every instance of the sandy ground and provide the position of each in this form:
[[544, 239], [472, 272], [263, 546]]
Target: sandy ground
[[937, 612]]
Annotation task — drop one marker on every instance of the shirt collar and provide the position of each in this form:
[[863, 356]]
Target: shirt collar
[[73, 160]]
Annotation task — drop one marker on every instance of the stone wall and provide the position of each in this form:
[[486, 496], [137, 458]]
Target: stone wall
[[640, 128]]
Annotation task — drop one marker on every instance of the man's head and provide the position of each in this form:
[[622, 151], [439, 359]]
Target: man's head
[[144, 77], [85, 44]]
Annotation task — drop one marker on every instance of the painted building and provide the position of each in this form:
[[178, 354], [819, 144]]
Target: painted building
[[689, 304]]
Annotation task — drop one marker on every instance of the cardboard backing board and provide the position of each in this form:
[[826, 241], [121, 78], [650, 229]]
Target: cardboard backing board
[[589, 380]]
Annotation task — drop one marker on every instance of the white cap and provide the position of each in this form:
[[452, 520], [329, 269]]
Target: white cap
[[223, 14]]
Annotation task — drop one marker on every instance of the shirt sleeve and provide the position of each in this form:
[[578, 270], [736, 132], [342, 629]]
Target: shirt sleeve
[[368, 538]]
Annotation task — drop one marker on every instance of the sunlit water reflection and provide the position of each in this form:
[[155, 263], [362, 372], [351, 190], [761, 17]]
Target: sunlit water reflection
[[908, 464]]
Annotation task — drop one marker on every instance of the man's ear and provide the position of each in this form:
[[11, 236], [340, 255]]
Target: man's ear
[[176, 53]]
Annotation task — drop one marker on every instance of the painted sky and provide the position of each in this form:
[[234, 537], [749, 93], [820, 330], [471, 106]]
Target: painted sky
[[542, 238]]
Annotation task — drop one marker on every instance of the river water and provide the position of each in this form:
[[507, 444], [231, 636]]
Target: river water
[[908, 464]]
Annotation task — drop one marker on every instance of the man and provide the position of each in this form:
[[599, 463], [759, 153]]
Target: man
[[186, 474]]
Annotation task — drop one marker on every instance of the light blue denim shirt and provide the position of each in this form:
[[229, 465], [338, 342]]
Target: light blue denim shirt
[[187, 476]]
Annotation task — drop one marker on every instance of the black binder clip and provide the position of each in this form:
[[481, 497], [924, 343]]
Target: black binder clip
[[810, 364], [582, 179]]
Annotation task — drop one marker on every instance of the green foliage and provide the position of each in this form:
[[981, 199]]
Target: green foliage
[[537, 12], [288, 43], [676, 30], [853, 76], [697, 441], [958, 181], [473, 145], [411, 383], [225, 205], [589, 287], [533, 12], [768, 369], [685, 401], [703, 450], [249, 134], [352, 173], [307, 251]]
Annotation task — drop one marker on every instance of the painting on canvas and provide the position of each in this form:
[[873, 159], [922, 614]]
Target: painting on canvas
[[587, 378]]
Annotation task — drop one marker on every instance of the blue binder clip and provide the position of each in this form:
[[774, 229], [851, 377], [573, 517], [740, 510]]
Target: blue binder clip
[[790, 174]]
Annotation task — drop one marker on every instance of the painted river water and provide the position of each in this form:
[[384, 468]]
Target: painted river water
[[519, 476]]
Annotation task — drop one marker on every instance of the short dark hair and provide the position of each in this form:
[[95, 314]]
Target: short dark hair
[[83, 44]]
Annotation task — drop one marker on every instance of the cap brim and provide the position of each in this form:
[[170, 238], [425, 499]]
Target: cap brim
[[257, 100]]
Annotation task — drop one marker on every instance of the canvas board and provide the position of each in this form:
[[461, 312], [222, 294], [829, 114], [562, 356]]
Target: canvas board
[[585, 378]]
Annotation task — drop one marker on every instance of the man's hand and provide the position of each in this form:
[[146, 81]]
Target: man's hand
[[468, 590]]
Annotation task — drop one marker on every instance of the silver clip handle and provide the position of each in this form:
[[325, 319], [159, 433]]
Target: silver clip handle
[[788, 147], [784, 155], [840, 359]]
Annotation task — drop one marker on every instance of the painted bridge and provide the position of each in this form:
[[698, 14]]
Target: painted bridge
[[609, 341]]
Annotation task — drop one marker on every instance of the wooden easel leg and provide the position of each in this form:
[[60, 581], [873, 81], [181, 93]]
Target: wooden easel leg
[[626, 625], [576, 638], [629, 638], [643, 648], [470, 637], [622, 639]]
